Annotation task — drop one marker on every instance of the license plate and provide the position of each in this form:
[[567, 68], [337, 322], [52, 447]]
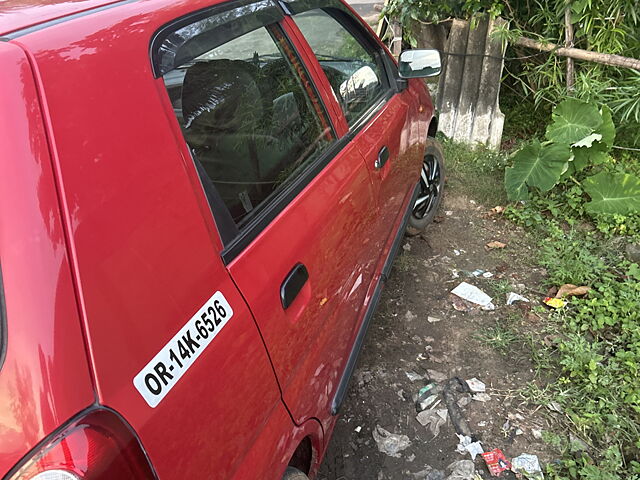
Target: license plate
[[162, 373]]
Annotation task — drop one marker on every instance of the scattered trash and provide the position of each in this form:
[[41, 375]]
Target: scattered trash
[[434, 419], [461, 470], [474, 449], [436, 376], [494, 245], [410, 316], [476, 386], [481, 397], [426, 397], [429, 473], [467, 445], [527, 465], [537, 433], [464, 401], [457, 418], [554, 302], [513, 297], [407, 247], [413, 376], [554, 407], [457, 253], [448, 213], [455, 273], [473, 294], [569, 290], [425, 403], [479, 272], [496, 462], [411, 457], [433, 319], [390, 443]]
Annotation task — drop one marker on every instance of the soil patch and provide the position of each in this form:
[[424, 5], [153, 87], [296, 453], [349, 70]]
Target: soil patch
[[418, 333]]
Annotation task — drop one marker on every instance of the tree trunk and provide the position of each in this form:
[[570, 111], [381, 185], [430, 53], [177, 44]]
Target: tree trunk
[[568, 43], [578, 54]]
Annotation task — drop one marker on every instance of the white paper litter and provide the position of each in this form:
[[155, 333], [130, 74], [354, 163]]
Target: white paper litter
[[474, 449], [476, 386], [528, 465], [465, 445], [413, 376], [472, 294], [513, 297], [433, 319]]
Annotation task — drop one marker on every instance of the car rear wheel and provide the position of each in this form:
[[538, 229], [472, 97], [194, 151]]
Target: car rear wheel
[[431, 187], [292, 473]]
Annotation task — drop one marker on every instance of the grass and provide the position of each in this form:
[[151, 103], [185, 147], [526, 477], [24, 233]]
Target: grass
[[476, 171], [587, 355], [499, 337]]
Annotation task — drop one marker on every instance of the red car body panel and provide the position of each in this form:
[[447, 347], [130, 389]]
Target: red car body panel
[[123, 250], [45, 377], [324, 228]]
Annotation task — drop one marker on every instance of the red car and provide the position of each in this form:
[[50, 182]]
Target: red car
[[199, 205]]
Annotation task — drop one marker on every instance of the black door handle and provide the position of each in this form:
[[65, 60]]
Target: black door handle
[[383, 156], [292, 285]]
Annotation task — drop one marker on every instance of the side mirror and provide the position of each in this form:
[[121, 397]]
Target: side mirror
[[419, 63]]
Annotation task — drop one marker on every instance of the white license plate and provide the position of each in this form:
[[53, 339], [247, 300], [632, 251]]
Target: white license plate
[[161, 374]]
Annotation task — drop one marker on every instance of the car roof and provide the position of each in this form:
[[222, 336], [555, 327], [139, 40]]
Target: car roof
[[21, 14]]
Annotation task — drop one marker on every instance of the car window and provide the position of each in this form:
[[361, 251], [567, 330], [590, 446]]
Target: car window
[[353, 68], [250, 117]]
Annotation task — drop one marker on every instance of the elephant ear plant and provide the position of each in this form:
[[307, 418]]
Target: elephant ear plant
[[578, 141]]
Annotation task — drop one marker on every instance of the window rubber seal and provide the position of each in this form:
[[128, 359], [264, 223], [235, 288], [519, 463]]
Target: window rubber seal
[[3, 323]]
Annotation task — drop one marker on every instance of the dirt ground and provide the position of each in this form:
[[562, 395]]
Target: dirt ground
[[488, 345]]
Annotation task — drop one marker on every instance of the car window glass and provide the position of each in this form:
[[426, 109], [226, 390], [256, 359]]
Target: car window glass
[[353, 70], [249, 118]]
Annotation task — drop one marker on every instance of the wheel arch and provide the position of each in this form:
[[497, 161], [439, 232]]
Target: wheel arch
[[433, 127]]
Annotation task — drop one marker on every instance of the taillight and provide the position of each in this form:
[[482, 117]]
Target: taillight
[[98, 446]]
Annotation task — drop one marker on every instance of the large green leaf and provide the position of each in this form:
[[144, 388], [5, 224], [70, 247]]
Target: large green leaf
[[573, 120], [613, 193], [536, 165], [585, 157], [607, 129]]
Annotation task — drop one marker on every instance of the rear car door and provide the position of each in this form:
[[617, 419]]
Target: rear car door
[[173, 346], [298, 201], [379, 113]]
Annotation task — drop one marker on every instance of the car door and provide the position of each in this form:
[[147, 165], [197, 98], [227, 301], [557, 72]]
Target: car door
[[296, 203], [379, 115]]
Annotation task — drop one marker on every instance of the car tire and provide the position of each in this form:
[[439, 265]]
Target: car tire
[[431, 188], [292, 473]]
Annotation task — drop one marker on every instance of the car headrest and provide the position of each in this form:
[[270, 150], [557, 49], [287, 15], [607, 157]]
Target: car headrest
[[222, 95]]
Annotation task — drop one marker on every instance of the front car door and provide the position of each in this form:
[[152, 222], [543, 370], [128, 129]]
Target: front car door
[[380, 113]]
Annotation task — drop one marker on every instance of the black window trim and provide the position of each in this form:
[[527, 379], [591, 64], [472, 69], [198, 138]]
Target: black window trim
[[234, 239]]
